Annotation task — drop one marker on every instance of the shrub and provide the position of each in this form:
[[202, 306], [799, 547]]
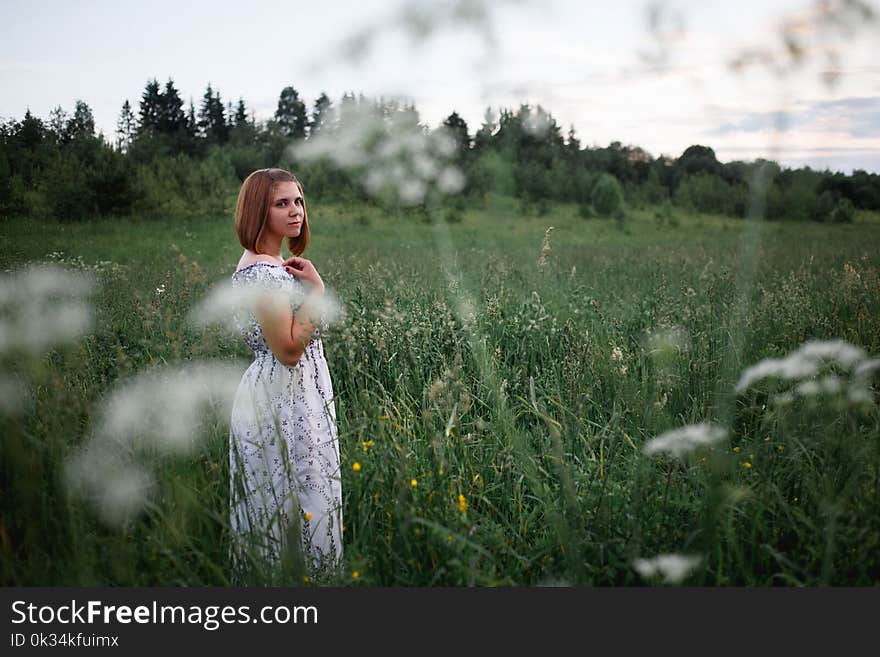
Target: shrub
[[607, 196]]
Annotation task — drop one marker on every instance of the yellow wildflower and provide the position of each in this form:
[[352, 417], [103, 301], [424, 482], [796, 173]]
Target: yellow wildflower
[[413, 483], [747, 465], [736, 450], [356, 467], [355, 574], [306, 579], [462, 503], [307, 515]]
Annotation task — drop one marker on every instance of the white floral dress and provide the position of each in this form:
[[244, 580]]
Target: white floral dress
[[283, 446]]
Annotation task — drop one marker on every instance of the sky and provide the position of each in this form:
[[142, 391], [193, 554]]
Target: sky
[[603, 66]]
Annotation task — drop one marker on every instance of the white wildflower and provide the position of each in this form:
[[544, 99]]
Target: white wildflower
[[829, 385], [802, 363], [537, 122], [804, 366], [684, 440], [42, 307], [666, 342], [864, 368], [227, 305], [450, 180], [115, 486], [673, 568], [165, 408], [389, 149]]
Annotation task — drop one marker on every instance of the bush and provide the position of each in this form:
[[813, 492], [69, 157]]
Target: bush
[[607, 196], [844, 212]]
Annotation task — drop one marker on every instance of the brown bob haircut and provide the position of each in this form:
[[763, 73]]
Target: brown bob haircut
[[252, 209]]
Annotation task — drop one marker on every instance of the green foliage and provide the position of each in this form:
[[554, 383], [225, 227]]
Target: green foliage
[[529, 396], [607, 196], [703, 192], [665, 217], [844, 212], [516, 152]]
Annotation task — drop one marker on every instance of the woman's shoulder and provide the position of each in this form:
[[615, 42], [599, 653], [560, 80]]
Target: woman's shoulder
[[249, 260]]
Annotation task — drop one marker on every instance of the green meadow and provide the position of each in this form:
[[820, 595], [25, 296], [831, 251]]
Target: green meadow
[[495, 386]]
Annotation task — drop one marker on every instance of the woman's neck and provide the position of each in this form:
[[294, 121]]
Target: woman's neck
[[271, 247]]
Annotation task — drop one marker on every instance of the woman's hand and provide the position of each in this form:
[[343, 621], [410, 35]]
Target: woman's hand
[[305, 271]]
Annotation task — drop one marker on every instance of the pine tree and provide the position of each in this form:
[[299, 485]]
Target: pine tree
[[171, 117], [291, 114], [82, 124], [30, 132], [230, 116], [58, 119], [192, 126], [572, 144], [458, 129], [212, 118], [484, 135], [241, 119], [125, 127], [150, 108], [321, 114]]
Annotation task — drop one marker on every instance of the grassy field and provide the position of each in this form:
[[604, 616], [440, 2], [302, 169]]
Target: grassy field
[[496, 385]]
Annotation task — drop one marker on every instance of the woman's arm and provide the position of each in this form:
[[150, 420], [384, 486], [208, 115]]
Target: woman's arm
[[286, 334]]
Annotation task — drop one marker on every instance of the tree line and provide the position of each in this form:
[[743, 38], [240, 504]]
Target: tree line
[[168, 157]]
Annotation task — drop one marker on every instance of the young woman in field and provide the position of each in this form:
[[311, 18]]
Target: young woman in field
[[283, 447]]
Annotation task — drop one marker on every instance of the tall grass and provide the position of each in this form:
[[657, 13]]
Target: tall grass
[[496, 384]]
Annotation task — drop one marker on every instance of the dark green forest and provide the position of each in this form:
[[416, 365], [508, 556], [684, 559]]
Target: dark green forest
[[169, 158]]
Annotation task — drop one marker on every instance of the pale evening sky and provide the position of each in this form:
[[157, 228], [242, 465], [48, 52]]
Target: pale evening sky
[[596, 65]]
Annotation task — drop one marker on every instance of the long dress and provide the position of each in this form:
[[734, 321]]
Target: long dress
[[283, 445]]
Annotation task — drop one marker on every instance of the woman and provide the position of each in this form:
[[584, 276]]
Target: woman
[[283, 447]]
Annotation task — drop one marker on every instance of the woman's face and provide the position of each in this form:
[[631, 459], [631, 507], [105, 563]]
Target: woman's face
[[287, 211]]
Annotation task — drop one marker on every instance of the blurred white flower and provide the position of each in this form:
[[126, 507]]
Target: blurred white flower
[[684, 440], [43, 306], [537, 122], [666, 342], [828, 384], [419, 21], [864, 368], [108, 478], [160, 412], [227, 305], [804, 366], [450, 180], [673, 568], [166, 408], [802, 363], [390, 150]]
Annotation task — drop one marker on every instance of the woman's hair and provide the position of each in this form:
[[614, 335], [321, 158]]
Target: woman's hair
[[252, 209]]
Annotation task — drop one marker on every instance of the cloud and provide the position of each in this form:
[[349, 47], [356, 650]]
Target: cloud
[[854, 117]]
